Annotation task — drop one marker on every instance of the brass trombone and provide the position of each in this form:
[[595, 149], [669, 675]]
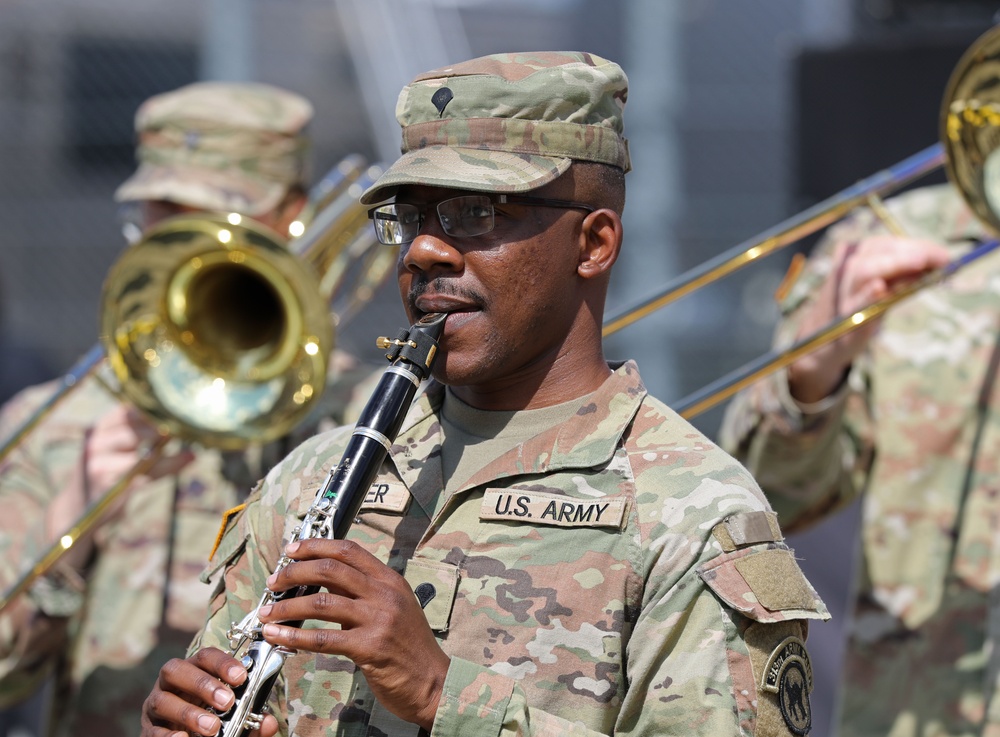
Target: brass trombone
[[311, 246], [218, 331], [970, 127]]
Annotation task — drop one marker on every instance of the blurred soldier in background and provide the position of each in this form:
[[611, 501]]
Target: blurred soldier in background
[[905, 412], [128, 596]]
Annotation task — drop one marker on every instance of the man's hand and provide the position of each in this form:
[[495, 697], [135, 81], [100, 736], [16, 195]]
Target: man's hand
[[383, 630], [111, 448], [861, 273], [185, 689]]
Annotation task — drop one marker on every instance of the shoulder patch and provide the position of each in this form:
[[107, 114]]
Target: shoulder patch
[[784, 680], [748, 528], [539, 508], [788, 673]]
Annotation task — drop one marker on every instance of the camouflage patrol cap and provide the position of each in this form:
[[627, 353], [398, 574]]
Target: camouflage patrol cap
[[507, 122], [220, 146]]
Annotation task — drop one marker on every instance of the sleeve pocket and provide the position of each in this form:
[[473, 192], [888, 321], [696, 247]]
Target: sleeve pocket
[[764, 585]]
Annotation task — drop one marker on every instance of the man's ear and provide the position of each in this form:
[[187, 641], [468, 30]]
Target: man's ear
[[600, 243]]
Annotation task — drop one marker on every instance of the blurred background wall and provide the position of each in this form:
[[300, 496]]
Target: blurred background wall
[[741, 113]]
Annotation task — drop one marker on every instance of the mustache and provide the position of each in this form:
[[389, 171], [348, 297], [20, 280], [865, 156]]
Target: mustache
[[442, 286]]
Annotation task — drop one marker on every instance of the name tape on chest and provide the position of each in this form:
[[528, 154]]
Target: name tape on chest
[[551, 509], [386, 497]]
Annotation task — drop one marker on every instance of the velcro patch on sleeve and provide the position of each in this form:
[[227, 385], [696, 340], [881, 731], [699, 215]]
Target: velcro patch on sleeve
[[385, 496], [748, 528], [540, 508], [776, 580], [764, 585], [784, 679]]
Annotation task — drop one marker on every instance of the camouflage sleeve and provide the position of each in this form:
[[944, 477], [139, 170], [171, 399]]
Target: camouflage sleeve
[[810, 460], [34, 628]]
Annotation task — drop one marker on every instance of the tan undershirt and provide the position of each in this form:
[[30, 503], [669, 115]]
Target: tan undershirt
[[475, 437]]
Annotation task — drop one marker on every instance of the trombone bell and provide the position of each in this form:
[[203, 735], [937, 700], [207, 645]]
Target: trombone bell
[[216, 330], [970, 128]]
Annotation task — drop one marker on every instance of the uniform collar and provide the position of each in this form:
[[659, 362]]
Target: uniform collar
[[588, 440]]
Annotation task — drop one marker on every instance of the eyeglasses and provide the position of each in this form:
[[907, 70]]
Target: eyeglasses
[[461, 217]]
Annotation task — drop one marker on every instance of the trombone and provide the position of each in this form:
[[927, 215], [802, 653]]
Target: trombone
[[243, 238], [970, 152], [218, 331]]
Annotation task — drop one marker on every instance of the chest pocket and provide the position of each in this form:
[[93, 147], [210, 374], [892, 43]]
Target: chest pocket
[[434, 584]]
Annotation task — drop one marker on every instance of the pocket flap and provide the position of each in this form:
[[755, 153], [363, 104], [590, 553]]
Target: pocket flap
[[434, 585], [764, 585]]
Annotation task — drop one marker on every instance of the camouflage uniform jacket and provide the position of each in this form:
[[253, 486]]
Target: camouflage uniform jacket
[[616, 573], [922, 656], [141, 602]]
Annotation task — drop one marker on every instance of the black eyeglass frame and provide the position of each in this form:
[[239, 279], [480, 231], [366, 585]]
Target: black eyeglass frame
[[494, 198]]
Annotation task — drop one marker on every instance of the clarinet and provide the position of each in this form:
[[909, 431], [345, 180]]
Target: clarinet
[[335, 507]]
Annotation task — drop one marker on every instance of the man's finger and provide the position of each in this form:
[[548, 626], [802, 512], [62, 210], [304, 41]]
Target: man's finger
[[171, 711]]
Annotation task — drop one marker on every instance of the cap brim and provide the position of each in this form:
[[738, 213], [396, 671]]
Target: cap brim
[[478, 170], [206, 189]]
